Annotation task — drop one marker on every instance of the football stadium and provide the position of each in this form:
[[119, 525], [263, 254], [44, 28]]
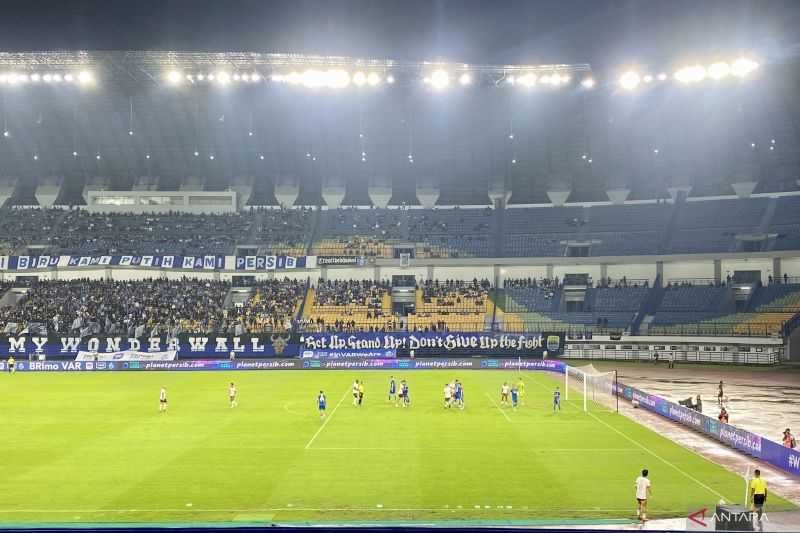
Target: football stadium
[[243, 288]]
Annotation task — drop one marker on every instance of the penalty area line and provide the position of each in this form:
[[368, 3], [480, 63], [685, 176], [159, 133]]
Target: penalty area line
[[498, 407], [636, 443], [327, 419]]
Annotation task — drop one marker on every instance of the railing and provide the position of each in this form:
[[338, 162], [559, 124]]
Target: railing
[[604, 283], [703, 282], [717, 330], [772, 357]]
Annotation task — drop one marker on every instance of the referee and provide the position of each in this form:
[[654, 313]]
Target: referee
[[758, 494]]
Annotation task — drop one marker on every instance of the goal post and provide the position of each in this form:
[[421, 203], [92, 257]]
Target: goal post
[[592, 388]]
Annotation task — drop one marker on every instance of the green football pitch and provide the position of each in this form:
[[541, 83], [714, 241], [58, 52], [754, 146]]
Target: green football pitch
[[92, 447]]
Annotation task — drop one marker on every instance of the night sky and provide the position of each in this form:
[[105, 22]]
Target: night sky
[[605, 33]]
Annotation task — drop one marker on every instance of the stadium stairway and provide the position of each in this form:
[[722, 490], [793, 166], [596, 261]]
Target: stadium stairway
[[316, 230], [772, 205]]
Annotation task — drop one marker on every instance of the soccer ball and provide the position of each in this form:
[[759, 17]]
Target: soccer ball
[[722, 502]]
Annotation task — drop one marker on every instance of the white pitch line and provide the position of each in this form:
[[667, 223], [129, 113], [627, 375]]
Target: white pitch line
[[654, 454], [277, 509], [571, 450], [327, 418], [498, 407]]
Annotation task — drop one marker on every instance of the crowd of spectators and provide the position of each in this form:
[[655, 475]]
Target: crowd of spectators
[[272, 306], [77, 231], [131, 308], [455, 293], [351, 293]]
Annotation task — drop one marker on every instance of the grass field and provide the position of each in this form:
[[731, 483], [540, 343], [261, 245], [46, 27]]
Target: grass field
[[92, 447]]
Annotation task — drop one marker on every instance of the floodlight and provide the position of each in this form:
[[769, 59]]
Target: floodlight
[[6, 133], [313, 78], [261, 157], [465, 79], [74, 154], [13, 78], [294, 78], [211, 157], [647, 78], [742, 67], [85, 77], [36, 78], [528, 80], [337, 78], [718, 70], [440, 79], [224, 77], [373, 79], [390, 79], [210, 77], [588, 83], [630, 80], [691, 74], [359, 78], [662, 76], [200, 77], [147, 156], [56, 78], [174, 76], [3, 78]]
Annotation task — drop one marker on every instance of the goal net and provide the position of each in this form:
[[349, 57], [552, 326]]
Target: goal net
[[591, 389]]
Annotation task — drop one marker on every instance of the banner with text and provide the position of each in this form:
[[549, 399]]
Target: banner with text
[[185, 345], [388, 353], [126, 355], [522, 344], [198, 262], [776, 454]]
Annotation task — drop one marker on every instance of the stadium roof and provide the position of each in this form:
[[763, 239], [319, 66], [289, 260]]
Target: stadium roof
[[133, 122]]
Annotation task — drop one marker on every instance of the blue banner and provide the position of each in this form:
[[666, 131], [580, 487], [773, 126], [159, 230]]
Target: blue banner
[[776, 454], [388, 353], [523, 344], [268, 262]]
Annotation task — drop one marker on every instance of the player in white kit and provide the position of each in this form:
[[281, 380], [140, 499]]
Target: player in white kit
[[232, 394], [162, 400]]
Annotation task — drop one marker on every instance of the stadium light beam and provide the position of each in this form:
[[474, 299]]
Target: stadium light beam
[[630, 80], [465, 79], [691, 74], [528, 80], [440, 79], [588, 83], [743, 66], [719, 70], [174, 77], [85, 78], [359, 78], [373, 79]]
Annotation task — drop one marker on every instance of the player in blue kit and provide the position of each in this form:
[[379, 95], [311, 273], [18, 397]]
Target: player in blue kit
[[392, 390], [514, 397], [557, 399], [321, 401], [459, 396]]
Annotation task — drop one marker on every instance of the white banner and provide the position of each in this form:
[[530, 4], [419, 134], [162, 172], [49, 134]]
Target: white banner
[[127, 355]]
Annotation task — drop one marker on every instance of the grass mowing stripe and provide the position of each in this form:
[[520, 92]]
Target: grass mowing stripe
[[498, 407], [571, 450], [632, 441], [327, 418]]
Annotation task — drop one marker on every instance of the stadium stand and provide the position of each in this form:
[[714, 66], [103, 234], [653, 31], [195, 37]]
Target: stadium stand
[[349, 306], [701, 226], [272, 306], [450, 305], [79, 232], [132, 308]]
